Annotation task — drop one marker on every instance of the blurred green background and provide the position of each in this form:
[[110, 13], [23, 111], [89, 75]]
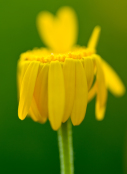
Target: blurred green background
[[29, 147]]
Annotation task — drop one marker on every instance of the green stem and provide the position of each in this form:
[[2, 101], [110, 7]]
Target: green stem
[[65, 148]]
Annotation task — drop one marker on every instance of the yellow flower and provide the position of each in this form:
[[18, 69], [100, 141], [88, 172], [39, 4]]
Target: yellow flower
[[57, 83]]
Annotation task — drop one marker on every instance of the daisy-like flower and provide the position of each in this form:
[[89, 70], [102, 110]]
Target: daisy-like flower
[[57, 83]]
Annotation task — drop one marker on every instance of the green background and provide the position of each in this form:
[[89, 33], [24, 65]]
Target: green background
[[29, 147]]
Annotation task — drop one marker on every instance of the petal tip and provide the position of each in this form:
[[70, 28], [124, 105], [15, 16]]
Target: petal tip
[[21, 117], [94, 37], [100, 112], [123, 90], [55, 127]]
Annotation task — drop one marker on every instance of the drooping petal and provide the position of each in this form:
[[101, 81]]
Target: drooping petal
[[41, 91], [60, 32], [56, 94], [27, 89], [69, 79], [113, 81], [92, 92], [94, 38], [35, 114], [81, 94], [101, 90], [89, 71], [21, 69], [99, 111]]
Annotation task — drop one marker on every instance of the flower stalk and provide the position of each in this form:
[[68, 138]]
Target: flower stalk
[[66, 148]]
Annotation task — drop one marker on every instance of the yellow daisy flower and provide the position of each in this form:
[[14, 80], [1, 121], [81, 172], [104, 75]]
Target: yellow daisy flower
[[57, 83]]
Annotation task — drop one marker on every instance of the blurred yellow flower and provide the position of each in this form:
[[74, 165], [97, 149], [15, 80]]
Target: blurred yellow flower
[[57, 83]]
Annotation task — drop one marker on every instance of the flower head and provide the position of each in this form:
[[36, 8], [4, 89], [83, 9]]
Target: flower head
[[57, 83]]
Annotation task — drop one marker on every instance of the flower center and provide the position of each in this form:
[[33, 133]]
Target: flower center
[[46, 56]]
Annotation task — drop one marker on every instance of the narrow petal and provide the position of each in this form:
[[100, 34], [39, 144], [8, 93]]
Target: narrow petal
[[89, 71], [99, 111], [92, 92], [60, 32], [56, 94], [113, 81], [22, 67], [69, 79], [41, 91], [81, 94], [94, 38], [27, 89], [101, 90], [35, 114]]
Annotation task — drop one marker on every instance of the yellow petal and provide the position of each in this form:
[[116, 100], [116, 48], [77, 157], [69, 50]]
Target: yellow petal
[[81, 94], [56, 94], [60, 32], [89, 71], [113, 81], [94, 38], [41, 91], [22, 67], [27, 89], [92, 92], [35, 114], [99, 111], [69, 79], [101, 90]]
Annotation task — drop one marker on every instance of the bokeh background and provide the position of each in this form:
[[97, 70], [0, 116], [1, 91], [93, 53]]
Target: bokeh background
[[29, 147]]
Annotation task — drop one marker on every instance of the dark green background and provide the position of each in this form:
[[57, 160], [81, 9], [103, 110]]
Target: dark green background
[[29, 147]]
